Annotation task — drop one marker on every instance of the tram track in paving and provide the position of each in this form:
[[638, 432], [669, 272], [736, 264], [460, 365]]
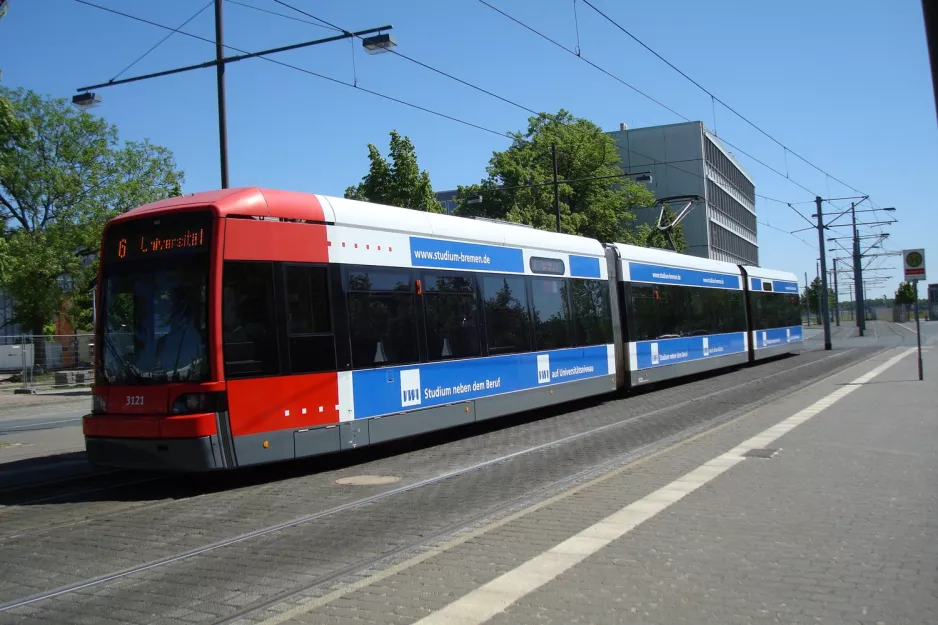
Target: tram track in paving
[[87, 483], [449, 529]]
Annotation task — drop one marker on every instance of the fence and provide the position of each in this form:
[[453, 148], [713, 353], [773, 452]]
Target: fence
[[29, 361]]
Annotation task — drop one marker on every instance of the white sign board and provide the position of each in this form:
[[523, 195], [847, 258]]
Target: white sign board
[[913, 262]]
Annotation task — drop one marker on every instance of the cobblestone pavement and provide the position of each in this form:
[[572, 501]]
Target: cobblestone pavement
[[203, 549], [839, 526]]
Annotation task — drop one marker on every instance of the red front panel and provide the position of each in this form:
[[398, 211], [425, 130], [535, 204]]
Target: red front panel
[[130, 400], [177, 426], [278, 403], [251, 239]]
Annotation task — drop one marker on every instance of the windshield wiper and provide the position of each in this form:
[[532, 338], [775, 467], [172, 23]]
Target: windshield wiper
[[128, 369]]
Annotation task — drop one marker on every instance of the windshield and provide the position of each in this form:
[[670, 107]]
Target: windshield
[[155, 324]]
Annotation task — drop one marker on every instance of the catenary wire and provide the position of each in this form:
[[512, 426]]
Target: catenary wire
[[306, 71], [161, 41], [712, 95], [283, 15], [397, 100]]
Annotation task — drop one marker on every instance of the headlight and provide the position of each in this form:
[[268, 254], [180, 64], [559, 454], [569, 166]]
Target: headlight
[[98, 404], [189, 403]]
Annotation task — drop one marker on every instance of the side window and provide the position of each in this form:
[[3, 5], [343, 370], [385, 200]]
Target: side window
[[249, 334], [645, 322], [309, 322], [670, 301], [592, 316], [507, 321], [452, 315], [382, 318], [551, 313]]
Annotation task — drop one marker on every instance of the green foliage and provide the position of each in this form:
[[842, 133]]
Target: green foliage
[[648, 235], [599, 208], [63, 174], [396, 181], [905, 294], [811, 296]]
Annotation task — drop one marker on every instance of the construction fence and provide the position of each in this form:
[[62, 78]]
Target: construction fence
[[47, 361]]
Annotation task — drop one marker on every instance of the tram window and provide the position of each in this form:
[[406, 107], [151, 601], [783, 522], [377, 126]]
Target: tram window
[[699, 304], [381, 317], [308, 300], [507, 321], [452, 315], [672, 310], [551, 301], [249, 335], [645, 317], [592, 316], [309, 324]]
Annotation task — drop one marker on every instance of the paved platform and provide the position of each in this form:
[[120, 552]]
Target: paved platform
[[838, 524]]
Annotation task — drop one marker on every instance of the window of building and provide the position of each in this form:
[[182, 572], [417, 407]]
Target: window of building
[[249, 334], [452, 316], [507, 320], [309, 322], [382, 320], [592, 315], [551, 313]]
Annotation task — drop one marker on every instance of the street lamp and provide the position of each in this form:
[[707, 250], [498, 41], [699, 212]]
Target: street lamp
[[379, 44], [86, 100], [373, 44]]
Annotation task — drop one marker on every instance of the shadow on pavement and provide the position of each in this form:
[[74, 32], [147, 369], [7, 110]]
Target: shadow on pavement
[[69, 478]]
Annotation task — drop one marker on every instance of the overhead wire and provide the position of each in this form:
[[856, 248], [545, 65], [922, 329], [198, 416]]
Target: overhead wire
[[161, 41], [305, 71], [403, 102], [715, 97], [284, 15]]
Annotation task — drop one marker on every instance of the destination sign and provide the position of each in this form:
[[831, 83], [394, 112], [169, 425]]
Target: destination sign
[[157, 237]]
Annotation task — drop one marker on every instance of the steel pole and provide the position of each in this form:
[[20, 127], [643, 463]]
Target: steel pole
[[817, 270], [553, 158], [930, 17], [220, 75], [836, 296], [807, 300], [918, 333], [858, 274], [825, 313]]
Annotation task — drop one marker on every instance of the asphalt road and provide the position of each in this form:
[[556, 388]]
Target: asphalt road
[[42, 421]]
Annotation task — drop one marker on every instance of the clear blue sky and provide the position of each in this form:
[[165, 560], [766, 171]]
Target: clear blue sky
[[845, 84]]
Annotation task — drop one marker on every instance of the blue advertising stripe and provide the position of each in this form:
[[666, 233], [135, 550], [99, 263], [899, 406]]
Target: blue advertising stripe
[[458, 255], [640, 272], [777, 336], [755, 284], [780, 286], [391, 390], [672, 351], [584, 267]]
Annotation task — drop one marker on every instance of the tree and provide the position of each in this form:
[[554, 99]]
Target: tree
[[905, 294], [811, 296], [601, 207], [398, 182], [63, 174], [648, 235]]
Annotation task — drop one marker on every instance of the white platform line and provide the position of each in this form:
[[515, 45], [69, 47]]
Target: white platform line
[[494, 597]]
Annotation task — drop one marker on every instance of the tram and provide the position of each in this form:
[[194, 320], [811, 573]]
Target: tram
[[250, 326]]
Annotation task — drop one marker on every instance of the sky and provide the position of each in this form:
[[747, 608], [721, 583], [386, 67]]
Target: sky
[[844, 84]]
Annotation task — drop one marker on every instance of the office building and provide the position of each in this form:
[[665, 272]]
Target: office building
[[447, 199], [688, 159]]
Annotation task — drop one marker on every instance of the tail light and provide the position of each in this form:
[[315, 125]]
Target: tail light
[[189, 403]]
